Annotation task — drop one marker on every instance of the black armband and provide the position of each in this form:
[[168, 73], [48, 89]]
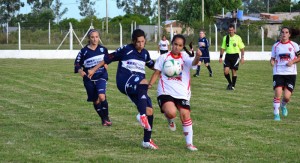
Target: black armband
[[297, 53], [221, 55]]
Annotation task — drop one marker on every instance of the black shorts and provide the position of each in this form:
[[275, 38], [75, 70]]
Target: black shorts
[[284, 81], [179, 103], [232, 61], [163, 51]]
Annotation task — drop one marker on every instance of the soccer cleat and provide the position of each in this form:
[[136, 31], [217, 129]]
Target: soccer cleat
[[191, 147], [229, 87], [149, 145], [196, 75], [106, 122], [284, 111], [144, 121], [276, 117], [172, 125], [210, 74], [232, 88]]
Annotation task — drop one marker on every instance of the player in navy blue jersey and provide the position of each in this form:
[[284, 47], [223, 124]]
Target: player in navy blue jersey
[[87, 58], [131, 79], [203, 46]]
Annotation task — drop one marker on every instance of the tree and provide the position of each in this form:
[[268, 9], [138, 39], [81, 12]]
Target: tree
[[140, 7], [190, 10], [168, 8], [86, 9], [8, 9], [37, 6], [56, 8]]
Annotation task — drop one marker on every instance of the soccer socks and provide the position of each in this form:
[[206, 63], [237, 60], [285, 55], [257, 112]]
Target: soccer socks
[[228, 78], [104, 108], [142, 98], [198, 70], [209, 69], [234, 80], [276, 105], [284, 102], [147, 134], [98, 109], [188, 131]]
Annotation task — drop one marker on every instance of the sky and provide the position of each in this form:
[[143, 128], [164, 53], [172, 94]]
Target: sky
[[73, 11]]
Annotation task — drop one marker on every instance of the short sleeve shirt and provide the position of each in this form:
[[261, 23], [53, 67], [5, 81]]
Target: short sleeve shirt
[[235, 44]]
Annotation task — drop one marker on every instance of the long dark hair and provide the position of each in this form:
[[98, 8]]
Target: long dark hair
[[184, 48]]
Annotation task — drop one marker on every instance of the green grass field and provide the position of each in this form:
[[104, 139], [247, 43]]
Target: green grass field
[[44, 117]]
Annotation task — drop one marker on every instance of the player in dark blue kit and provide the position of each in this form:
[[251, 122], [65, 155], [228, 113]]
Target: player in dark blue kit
[[203, 46], [131, 79], [87, 58]]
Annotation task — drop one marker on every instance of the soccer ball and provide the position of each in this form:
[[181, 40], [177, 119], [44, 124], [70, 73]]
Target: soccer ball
[[171, 68]]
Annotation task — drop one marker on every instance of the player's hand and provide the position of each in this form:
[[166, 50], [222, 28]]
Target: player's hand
[[272, 62], [91, 73], [290, 63], [242, 60], [82, 73], [106, 66], [198, 53], [220, 60]]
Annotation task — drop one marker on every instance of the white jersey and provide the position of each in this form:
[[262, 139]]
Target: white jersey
[[283, 53], [163, 45], [179, 86]]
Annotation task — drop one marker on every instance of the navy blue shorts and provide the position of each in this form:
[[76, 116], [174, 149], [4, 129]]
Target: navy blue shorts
[[129, 88], [205, 59], [94, 88]]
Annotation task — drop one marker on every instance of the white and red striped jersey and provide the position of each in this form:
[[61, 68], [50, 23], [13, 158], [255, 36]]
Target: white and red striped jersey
[[283, 53], [179, 86]]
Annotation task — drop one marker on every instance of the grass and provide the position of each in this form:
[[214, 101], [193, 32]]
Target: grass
[[44, 117]]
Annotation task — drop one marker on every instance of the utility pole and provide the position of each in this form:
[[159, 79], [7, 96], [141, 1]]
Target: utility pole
[[268, 7], [202, 11], [106, 17], [158, 2]]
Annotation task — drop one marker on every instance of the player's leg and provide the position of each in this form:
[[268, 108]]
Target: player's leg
[[93, 96], [227, 65], [198, 68], [187, 124], [288, 90], [207, 64], [234, 77], [234, 68], [101, 90], [147, 141], [278, 83], [168, 108]]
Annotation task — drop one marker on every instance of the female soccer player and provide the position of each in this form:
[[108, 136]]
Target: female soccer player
[[163, 45], [87, 58], [131, 79], [174, 92], [283, 60], [203, 44]]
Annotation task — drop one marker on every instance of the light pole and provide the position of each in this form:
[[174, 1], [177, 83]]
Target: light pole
[[291, 8], [268, 7]]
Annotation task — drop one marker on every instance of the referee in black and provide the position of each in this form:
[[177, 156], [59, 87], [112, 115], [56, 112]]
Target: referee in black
[[233, 45]]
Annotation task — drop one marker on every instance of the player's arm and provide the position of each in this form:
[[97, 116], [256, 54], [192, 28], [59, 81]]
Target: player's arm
[[154, 77], [272, 61], [242, 56], [78, 65], [221, 55], [197, 57], [92, 71]]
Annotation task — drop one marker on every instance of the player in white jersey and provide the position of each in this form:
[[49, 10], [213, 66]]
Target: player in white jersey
[[163, 45], [283, 59], [174, 92]]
